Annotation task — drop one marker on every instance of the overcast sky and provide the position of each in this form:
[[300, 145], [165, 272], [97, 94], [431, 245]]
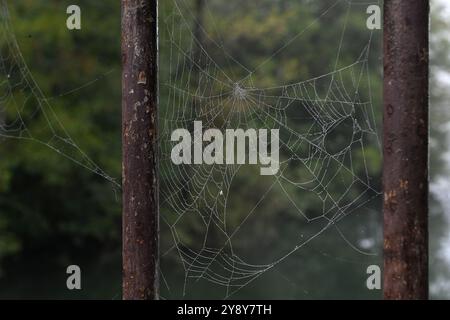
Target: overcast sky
[[440, 186], [446, 4]]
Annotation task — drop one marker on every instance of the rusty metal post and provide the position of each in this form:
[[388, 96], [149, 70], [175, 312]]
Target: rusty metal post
[[140, 149], [405, 149]]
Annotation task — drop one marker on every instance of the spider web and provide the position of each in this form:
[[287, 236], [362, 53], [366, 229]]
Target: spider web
[[23, 104], [325, 125]]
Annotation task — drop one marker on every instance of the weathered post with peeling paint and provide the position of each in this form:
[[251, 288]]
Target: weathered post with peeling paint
[[405, 149], [140, 146]]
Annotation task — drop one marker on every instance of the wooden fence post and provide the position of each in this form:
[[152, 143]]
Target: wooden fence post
[[140, 149]]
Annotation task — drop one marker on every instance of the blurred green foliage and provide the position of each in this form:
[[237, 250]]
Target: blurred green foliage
[[53, 212]]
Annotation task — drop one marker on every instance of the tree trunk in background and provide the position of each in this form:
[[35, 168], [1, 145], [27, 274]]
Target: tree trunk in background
[[405, 149], [195, 84], [140, 149], [198, 30], [198, 45]]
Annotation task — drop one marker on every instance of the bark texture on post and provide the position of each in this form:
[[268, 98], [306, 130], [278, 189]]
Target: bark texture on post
[[405, 149], [140, 149]]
